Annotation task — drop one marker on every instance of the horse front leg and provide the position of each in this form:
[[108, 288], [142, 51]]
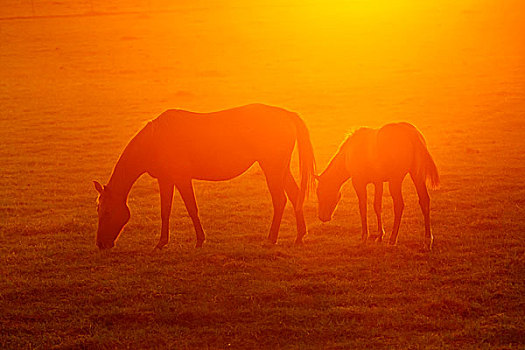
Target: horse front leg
[[275, 182], [378, 203], [185, 188], [166, 198], [360, 190]]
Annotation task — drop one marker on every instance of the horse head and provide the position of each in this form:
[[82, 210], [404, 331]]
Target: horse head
[[113, 214], [328, 196]]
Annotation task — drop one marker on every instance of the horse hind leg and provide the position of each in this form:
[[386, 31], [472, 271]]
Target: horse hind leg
[[424, 203], [275, 181], [188, 196], [292, 191], [378, 202]]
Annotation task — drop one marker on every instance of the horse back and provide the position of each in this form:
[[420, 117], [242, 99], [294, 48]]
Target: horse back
[[247, 127], [396, 147]]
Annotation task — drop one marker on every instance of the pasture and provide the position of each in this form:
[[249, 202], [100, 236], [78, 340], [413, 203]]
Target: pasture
[[74, 89]]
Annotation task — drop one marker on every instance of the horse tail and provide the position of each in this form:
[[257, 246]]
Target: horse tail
[[426, 167], [306, 159]]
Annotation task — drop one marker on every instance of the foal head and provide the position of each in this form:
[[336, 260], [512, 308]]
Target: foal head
[[113, 214], [328, 196]]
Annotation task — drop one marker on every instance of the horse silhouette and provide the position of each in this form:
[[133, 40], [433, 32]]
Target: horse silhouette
[[376, 156], [179, 146]]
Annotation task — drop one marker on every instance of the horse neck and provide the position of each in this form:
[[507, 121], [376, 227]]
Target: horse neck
[[129, 167], [336, 172]]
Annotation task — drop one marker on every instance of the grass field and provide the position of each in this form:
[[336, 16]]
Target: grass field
[[75, 89]]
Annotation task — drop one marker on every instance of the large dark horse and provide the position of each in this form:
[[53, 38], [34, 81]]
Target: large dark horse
[[377, 156], [180, 146]]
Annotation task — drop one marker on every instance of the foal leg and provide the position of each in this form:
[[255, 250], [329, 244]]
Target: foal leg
[[378, 199], [399, 205], [166, 198], [360, 190], [424, 203], [292, 190], [188, 196], [275, 181]]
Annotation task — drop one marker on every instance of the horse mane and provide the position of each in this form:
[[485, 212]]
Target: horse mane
[[153, 127], [352, 137], [141, 137], [346, 145], [157, 124]]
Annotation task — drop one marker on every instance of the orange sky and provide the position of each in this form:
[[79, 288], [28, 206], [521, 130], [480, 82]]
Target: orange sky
[[357, 54]]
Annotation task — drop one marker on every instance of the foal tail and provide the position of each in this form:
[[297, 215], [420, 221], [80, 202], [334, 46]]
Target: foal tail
[[306, 159], [426, 167]]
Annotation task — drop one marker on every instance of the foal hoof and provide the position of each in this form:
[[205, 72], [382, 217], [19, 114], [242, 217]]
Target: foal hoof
[[392, 242], [392, 247], [199, 244], [379, 237], [425, 248]]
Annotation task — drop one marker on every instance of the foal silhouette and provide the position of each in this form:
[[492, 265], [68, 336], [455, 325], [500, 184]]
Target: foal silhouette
[[377, 156], [180, 146]]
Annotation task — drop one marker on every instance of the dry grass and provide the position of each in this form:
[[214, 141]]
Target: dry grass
[[75, 89]]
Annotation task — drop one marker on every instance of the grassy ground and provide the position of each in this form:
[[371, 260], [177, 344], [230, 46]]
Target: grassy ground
[[73, 90]]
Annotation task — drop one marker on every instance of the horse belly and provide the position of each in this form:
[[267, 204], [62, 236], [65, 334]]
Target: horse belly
[[220, 169], [394, 158]]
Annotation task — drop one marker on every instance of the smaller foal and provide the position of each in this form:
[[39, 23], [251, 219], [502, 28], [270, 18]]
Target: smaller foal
[[376, 156]]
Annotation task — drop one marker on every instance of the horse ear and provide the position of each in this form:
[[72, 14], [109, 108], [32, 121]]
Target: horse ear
[[98, 187]]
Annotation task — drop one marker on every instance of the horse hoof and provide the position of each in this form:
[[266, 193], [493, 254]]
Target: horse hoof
[[379, 237], [426, 248], [272, 241], [428, 243], [392, 244], [269, 243], [299, 242], [159, 246]]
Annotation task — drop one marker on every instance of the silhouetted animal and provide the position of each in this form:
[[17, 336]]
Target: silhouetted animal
[[376, 156], [180, 146]]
